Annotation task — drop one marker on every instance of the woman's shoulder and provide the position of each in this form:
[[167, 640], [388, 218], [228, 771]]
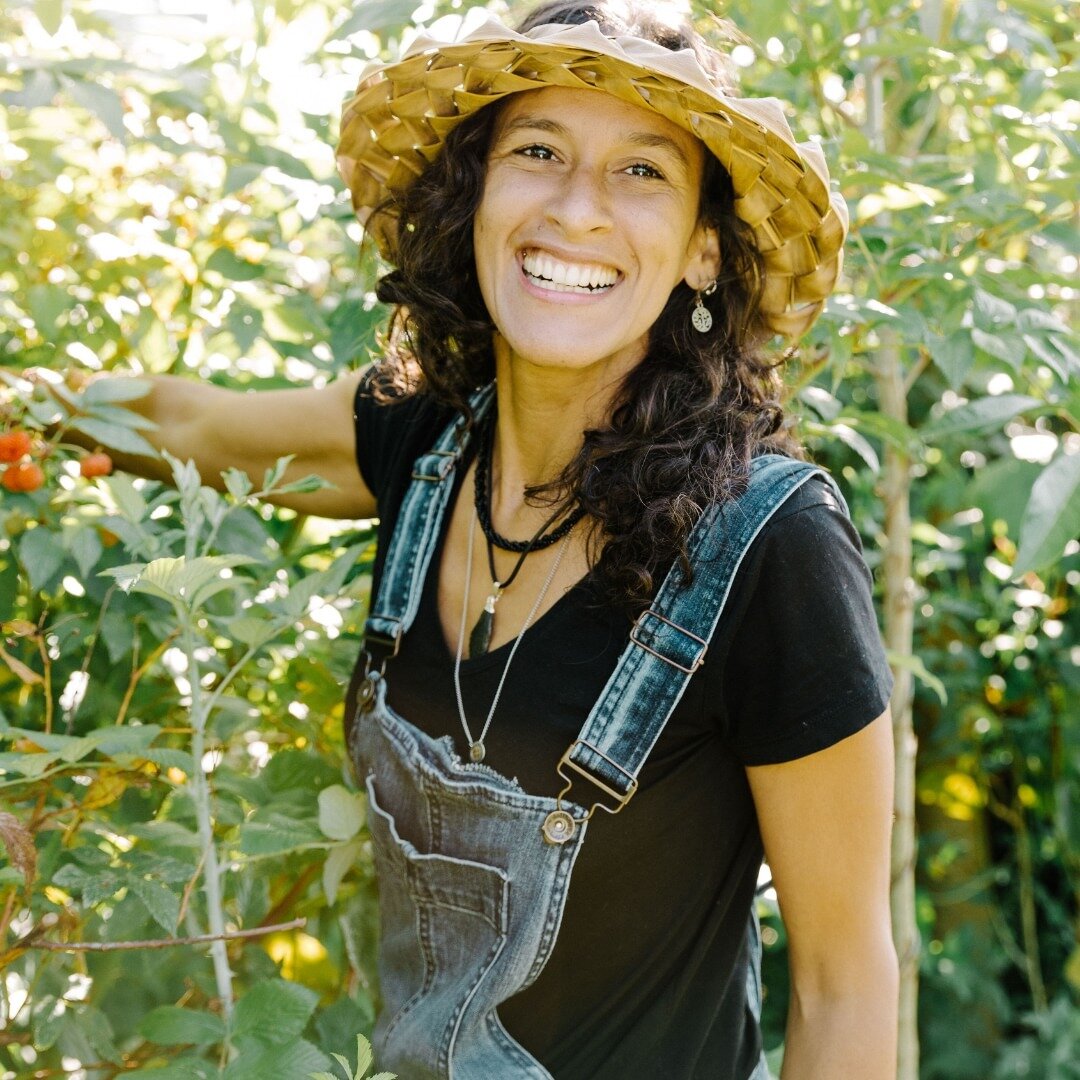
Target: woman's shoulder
[[804, 664], [393, 427]]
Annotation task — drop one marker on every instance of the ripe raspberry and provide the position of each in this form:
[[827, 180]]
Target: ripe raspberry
[[14, 444], [26, 477], [96, 464]]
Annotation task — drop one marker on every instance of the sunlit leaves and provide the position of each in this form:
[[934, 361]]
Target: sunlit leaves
[[1052, 517]]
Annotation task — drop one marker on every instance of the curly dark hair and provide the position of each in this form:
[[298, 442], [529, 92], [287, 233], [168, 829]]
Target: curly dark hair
[[686, 420]]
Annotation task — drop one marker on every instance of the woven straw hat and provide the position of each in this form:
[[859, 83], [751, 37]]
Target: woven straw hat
[[397, 122]]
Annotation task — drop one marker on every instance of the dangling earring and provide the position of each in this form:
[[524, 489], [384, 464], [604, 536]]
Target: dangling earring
[[701, 316]]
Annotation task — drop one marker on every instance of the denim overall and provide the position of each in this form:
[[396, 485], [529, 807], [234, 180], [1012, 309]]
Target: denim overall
[[473, 871]]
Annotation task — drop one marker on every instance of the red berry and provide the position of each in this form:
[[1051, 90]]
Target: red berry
[[13, 445], [26, 477], [96, 464]]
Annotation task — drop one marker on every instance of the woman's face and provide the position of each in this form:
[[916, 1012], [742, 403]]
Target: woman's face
[[587, 222]]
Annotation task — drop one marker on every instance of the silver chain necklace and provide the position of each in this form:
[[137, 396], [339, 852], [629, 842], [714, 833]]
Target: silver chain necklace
[[476, 746]]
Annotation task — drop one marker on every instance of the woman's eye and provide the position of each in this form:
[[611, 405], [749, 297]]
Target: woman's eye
[[541, 153], [642, 169]]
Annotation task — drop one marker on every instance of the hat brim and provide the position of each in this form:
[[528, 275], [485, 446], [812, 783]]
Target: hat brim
[[398, 120]]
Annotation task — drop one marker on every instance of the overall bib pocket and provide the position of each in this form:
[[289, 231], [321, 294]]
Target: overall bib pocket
[[445, 925]]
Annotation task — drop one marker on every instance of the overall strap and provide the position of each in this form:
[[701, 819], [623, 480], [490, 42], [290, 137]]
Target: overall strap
[[416, 534], [669, 639]]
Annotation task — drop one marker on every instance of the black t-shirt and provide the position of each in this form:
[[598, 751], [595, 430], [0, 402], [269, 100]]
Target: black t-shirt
[[647, 977]]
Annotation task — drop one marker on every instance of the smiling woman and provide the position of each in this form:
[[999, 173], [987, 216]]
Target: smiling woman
[[586, 485], [594, 238]]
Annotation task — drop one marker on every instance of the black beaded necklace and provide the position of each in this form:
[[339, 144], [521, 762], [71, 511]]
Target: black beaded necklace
[[480, 638]]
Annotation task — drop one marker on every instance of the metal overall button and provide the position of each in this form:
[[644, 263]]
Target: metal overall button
[[365, 697], [558, 827]]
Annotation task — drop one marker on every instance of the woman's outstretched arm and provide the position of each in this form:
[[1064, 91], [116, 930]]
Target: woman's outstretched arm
[[826, 822], [218, 428]]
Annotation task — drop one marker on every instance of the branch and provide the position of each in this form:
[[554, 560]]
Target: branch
[[138, 672], [163, 943]]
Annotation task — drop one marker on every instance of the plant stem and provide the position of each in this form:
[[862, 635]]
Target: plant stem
[[898, 632], [200, 792], [166, 943]]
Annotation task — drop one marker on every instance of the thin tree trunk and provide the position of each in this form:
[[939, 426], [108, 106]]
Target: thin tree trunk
[[899, 620], [898, 632]]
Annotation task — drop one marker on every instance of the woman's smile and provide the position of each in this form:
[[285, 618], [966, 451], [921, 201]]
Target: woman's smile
[[552, 274]]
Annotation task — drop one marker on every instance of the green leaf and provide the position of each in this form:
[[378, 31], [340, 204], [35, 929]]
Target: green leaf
[[29, 765], [252, 631], [131, 739], [46, 304], [273, 475], [77, 748], [114, 437], [297, 1059], [915, 665], [40, 552], [229, 265], [129, 502], [169, 759], [102, 101], [340, 860], [165, 575], [94, 1027], [326, 582], [986, 412], [171, 1025], [263, 838], [341, 812], [1043, 348], [992, 312], [48, 1022], [237, 484], [240, 175], [274, 1012], [183, 1068], [304, 484], [1052, 516], [954, 356], [85, 547], [376, 15], [1005, 345], [113, 389], [50, 14], [364, 1056], [162, 903]]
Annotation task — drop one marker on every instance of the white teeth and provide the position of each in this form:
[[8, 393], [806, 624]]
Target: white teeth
[[557, 276]]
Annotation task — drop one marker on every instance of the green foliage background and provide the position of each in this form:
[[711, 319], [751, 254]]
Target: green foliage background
[[168, 204]]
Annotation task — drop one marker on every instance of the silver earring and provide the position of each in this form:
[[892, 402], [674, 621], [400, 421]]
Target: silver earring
[[701, 316]]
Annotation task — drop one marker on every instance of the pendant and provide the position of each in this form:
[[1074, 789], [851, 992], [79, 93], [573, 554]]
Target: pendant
[[480, 638], [476, 751]]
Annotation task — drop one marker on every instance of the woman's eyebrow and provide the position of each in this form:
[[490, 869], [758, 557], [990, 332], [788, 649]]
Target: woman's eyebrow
[[644, 139]]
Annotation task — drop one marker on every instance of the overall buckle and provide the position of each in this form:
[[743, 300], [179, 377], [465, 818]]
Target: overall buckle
[[697, 660], [560, 825], [441, 468]]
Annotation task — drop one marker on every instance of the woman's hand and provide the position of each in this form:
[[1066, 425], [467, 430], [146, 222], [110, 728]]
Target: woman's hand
[[218, 429], [826, 821]]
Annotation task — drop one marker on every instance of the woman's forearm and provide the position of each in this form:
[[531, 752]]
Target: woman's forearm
[[845, 1037]]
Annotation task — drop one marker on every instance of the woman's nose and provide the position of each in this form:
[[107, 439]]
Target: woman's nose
[[581, 204]]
